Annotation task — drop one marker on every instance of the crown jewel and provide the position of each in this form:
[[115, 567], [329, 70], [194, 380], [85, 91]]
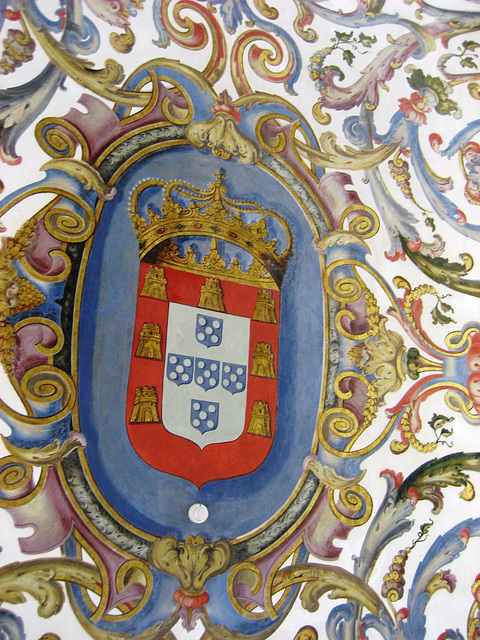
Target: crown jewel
[[187, 211]]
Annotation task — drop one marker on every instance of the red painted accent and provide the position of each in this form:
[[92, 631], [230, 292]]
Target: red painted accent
[[10, 14], [171, 453], [189, 601], [413, 494], [398, 477]]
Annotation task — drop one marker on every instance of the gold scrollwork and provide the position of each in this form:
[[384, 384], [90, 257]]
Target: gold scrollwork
[[458, 339], [40, 578], [49, 351], [399, 447], [342, 289], [365, 225], [456, 400], [306, 633], [17, 486], [346, 424], [333, 156], [59, 138], [259, 59], [248, 574], [83, 173], [268, 12], [301, 19], [194, 35], [68, 226], [271, 143], [133, 572], [340, 422], [59, 277], [123, 42], [321, 579], [42, 385], [45, 384], [319, 115], [101, 81], [356, 499]]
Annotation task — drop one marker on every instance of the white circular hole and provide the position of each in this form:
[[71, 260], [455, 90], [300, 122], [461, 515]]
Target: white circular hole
[[196, 406], [198, 513]]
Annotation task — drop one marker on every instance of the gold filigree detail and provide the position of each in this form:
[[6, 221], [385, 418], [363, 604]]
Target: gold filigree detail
[[321, 579], [265, 307], [330, 478], [7, 347], [123, 42], [268, 12], [149, 342], [40, 579], [193, 562], [334, 156], [48, 455], [223, 137], [262, 361], [155, 284], [381, 356], [211, 295], [14, 248], [84, 173], [100, 81], [355, 499], [439, 581], [260, 420], [309, 35], [306, 633], [211, 213], [145, 405], [400, 447], [211, 266]]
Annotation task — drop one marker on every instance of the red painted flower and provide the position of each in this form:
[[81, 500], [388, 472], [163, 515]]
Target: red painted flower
[[415, 108]]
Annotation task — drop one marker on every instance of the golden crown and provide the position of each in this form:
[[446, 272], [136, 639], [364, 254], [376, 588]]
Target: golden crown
[[211, 213]]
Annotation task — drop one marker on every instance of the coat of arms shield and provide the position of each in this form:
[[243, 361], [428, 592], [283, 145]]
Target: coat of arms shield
[[203, 375]]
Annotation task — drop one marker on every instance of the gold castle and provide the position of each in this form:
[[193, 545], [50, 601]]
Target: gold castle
[[212, 214]]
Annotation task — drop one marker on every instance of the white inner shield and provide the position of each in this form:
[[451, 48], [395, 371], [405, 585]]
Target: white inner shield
[[176, 401]]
